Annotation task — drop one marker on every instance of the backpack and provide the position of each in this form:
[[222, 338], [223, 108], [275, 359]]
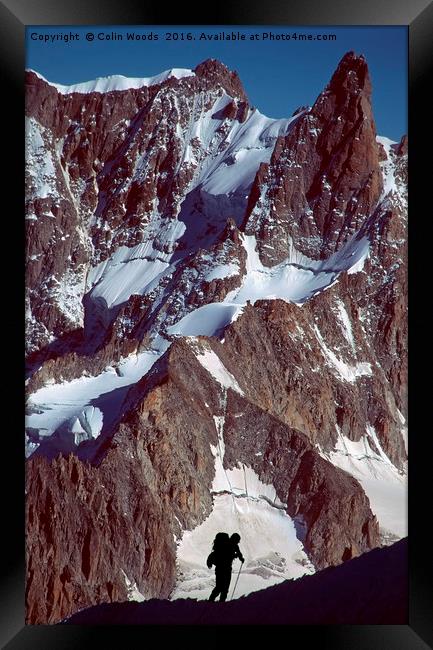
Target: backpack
[[219, 549], [220, 542]]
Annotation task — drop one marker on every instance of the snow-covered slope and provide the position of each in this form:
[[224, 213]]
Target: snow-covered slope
[[269, 543], [53, 410], [242, 504], [293, 281], [384, 485], [247, 145], [138, 270], [117, 82]]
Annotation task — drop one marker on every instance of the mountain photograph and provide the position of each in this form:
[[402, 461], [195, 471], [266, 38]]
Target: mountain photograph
[[216, 332]]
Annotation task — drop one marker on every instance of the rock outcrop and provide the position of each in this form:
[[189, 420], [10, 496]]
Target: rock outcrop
[[323, 178]]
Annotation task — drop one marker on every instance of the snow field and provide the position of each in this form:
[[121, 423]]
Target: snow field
[[212, 363], [246, 505], [387, 167], [131, 586], [39, 161], [70, 403], [346, 324], [117, 82], [206, 320], [135, 270], [289, 281], [385, 487], [250, 144], [268, 543], [222, 272]]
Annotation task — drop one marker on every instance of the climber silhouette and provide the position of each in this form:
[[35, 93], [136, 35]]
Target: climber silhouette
[[224, 551]]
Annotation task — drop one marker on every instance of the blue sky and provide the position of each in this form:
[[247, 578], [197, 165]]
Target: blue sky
[[278, 75]]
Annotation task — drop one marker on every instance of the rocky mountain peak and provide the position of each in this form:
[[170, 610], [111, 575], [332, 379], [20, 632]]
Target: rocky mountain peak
[[218, 73], [347, 97], [352, 74], [402, 146], [333, 179]]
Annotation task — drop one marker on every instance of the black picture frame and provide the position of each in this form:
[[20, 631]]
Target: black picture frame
[[15, 15]]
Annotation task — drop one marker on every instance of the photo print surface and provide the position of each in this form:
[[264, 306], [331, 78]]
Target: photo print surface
[[216, 323]]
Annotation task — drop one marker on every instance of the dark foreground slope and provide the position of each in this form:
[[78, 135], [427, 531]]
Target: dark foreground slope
[[371, 589]]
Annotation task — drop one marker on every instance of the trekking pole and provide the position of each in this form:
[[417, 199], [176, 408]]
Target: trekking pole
[[240, 568]]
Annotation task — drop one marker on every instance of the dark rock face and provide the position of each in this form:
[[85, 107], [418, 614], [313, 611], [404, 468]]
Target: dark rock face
[[214, 73], [109, 171], [327, 169], [84, 527], [326, 498], [88, 524], [156, 475], [293, 383]]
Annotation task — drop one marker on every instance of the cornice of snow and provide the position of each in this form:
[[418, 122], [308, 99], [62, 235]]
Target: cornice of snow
[[116, 82]]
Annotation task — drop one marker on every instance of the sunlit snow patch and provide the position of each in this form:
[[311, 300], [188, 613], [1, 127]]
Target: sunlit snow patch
[[387, 166], [249, 144], [403, 430], [131, 586], [212, 363], [86, 402], [346, 324], [344, 370], [269, 543], [384, 485], [39, 162], [358, 266], [222, 272], [206, 320], [117, 82]]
